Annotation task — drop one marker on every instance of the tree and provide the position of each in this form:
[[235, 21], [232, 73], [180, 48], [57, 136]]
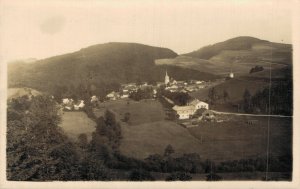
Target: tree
[[35, 143], [212, 95], [110, 119], [108, 132], [179, 98], [126, 117], [247, 101], [154, 162], [213, 177], [179, 176], [169, 150], [225, 95], [82, 140], [256, 69], [140, 175]]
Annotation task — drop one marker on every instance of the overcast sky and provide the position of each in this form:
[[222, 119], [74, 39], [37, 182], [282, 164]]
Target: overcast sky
[[39, 29]]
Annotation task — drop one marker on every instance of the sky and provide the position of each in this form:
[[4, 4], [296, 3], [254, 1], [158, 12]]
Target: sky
[[40, 29]]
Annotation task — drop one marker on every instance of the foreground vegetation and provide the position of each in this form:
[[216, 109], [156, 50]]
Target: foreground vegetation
[[37, 149]]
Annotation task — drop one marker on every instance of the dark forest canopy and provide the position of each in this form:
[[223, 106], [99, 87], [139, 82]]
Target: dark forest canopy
[[100, 66], [276, 99]]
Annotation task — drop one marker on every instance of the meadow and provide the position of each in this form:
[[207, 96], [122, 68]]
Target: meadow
[[235, 139], [148, 132], [76, 123], [235, 88]]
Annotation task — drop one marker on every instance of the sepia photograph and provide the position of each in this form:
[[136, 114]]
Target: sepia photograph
[[158, 92]]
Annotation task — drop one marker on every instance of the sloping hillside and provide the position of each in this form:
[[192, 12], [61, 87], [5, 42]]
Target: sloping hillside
[[239, 55], [18, 92], [245, 49], [100, 63], [100, 66], [235, 88]]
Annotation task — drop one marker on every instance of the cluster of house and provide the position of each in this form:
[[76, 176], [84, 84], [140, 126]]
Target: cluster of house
[[127, 89], [182, 86], [70, 104], [169, 83], [193, 107]]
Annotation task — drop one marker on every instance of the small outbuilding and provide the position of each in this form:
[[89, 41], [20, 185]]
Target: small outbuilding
[[205, 115]]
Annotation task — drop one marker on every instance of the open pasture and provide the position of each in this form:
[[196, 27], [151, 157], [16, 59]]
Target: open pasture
[[76, 123]]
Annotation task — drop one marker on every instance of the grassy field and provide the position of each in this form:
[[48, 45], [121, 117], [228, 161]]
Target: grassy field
[[144, 111], [235, 88], [148, 132], [142, 140], [75, 123], [236, 139]]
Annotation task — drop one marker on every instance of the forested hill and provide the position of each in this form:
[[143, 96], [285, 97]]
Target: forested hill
[[98, 65]]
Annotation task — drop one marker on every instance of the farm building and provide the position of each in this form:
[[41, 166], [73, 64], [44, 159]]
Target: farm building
[[198, 104], [79, 105], [68, 104], [184, 112]]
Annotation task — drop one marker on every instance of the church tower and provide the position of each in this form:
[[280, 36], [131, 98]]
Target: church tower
[[167, 78]]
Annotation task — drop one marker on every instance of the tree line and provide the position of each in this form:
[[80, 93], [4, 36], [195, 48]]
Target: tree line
[[276, 99], [142, 93], [37, 148], [179, 98]]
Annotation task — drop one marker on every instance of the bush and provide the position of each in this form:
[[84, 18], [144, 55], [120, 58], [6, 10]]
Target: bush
[[179, 176], [126, 117], [256, 69], [213, 177], [140, 175]]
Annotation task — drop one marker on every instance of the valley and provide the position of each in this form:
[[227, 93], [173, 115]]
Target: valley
[[125, 105]]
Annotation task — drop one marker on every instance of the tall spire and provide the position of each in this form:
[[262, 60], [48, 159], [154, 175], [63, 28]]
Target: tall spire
[[167, 78]]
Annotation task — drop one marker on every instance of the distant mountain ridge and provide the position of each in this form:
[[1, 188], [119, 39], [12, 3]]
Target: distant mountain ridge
[[99, 65], [114, 63]]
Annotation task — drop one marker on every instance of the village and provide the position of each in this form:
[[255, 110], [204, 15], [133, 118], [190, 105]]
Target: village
[[187, 115]]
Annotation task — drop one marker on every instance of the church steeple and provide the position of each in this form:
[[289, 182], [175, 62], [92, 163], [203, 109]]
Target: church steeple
[[167, 78]]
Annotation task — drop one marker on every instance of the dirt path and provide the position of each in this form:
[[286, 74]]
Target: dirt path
[[243, 114]]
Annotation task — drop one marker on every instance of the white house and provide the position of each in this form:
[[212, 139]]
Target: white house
[[113, 96], [94, 99], [80, 105], [184, 112], [67, 103], [199, 82], [198, 104]]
